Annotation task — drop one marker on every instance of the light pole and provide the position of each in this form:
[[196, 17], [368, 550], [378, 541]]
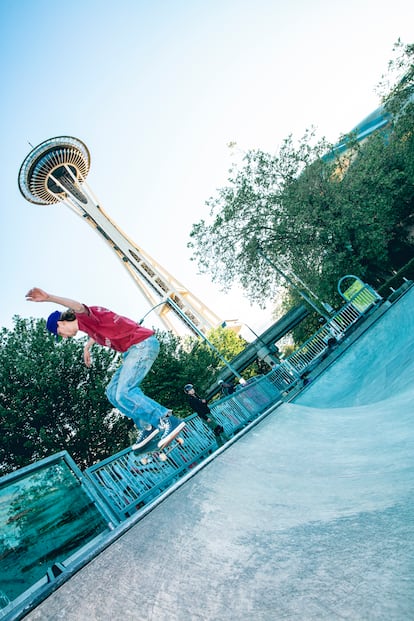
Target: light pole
[[199, 333], [294, 285], [259, 338], [265, 352], [141, 321]]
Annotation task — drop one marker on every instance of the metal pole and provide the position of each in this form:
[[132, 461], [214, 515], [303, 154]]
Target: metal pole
[[253, 332], [293, 284]]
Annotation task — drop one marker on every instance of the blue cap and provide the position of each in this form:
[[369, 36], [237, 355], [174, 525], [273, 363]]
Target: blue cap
[[52, 322]]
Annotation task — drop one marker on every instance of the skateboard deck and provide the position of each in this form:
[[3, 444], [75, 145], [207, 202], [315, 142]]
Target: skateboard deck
[[154, 453]]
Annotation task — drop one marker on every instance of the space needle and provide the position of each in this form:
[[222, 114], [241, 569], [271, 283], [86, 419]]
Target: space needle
[[55, 172]]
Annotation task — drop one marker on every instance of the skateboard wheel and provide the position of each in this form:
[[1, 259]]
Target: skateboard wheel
[[180, 441], [163, 457], [144, 461]]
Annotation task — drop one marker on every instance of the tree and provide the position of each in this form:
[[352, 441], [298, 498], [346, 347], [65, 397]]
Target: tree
[[396, 87], [227, 341], [188, 360], [250, 211], [317, 217], [49, 400]]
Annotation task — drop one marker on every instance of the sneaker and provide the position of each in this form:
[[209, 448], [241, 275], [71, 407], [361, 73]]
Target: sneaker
[[144, 437], [170, 427]]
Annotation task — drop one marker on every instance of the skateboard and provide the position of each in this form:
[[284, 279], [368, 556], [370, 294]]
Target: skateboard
[[151, 452]]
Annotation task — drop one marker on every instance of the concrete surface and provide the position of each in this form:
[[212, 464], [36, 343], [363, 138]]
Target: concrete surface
[[308, 517]]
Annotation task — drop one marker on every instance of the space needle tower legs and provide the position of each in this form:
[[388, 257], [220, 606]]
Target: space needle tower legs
[[55, 171]]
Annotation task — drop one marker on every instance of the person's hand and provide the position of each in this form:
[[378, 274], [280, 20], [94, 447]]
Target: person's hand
[[87, 352], [37, 295], [87, 357]]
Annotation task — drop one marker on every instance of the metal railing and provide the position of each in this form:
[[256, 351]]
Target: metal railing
[[127, 481], [247, 403], [290, 370]]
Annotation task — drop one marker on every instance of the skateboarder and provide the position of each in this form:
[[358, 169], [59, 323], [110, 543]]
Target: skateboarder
[[200, 406], [139, 349]]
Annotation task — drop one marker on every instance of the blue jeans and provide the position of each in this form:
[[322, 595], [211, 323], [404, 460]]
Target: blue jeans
[[123, 390]]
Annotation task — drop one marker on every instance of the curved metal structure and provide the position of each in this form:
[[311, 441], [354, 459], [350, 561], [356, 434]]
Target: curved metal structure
[[55, 171]]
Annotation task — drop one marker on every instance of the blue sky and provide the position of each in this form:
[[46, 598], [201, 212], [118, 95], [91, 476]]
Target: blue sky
[[157, 90]]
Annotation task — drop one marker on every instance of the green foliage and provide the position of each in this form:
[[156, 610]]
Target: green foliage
[[188, 361], [228, 343], [397, 85], [251, 211], [315, 217], [49, 400]]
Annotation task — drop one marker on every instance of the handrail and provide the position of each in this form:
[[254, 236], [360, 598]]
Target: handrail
[[126, 483], [292, 369]]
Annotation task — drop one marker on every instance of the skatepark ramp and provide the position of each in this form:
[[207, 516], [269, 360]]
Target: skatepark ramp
[[54, 517], [309, 516]]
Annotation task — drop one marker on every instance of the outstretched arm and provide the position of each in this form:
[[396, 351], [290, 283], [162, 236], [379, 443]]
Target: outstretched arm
[[86, 352], [38, 295]]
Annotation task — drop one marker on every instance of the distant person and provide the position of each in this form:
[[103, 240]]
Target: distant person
[[201, 407], [226, 388], [139, 349]]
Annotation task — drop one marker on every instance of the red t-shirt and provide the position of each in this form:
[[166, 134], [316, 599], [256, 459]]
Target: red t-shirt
[[111, 330]]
